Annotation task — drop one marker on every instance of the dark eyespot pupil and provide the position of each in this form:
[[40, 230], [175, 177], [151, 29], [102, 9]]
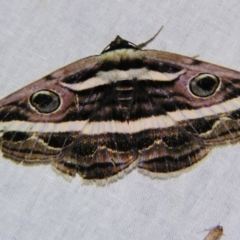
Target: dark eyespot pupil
[[42, 100], [204, 84], [45, 101]]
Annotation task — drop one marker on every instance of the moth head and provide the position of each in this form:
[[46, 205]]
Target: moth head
[[204, 85], [45, 101]]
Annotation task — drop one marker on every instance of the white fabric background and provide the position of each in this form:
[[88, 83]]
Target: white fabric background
[[39, 36]]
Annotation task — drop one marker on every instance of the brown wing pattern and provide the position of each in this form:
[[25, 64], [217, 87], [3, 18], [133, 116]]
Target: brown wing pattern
[[101, 115]]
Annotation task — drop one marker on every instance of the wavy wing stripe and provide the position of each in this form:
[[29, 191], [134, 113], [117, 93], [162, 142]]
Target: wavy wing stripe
[[104, 78], [153, 122]]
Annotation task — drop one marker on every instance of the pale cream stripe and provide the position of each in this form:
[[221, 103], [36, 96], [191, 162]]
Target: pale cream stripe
[[108, 77], [153, 122]]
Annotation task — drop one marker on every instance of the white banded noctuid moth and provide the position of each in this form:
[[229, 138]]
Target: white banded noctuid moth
[[98, 116]]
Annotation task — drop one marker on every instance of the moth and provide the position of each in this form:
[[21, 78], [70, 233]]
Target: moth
[[215, 233], [100, 116]]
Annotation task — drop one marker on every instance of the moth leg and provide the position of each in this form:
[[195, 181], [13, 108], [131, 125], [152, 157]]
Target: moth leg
[[144, 44], [195, 56]]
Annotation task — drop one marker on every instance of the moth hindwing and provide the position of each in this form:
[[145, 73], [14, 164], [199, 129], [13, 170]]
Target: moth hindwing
[[102, 114]]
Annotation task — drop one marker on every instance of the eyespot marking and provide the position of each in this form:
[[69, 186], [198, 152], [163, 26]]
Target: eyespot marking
[[204, 85], [45, 101]]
